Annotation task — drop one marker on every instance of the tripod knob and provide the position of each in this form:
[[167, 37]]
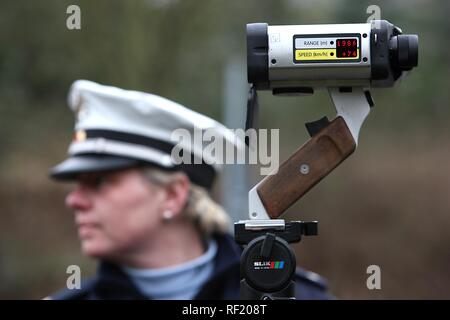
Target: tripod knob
[[268, 264]]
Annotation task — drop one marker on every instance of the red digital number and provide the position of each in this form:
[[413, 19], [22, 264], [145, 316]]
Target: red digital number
[[347, 48]]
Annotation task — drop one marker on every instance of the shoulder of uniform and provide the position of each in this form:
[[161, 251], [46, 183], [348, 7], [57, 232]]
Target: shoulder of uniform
[[311, 278], [74, 294]]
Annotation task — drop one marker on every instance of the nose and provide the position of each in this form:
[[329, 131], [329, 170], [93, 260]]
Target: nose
[[79, 199]]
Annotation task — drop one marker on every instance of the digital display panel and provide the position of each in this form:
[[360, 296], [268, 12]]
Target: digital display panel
[[347, 48]]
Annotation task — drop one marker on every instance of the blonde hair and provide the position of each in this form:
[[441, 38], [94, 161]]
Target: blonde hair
[[200, 208]]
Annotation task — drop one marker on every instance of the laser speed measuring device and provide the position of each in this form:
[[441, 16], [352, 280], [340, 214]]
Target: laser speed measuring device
[[299, 58], [347, 60]]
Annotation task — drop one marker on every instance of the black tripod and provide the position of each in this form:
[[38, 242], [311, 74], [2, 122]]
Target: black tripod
[[268, 263]]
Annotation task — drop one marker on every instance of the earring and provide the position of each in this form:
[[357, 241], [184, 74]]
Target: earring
[[167, 215]]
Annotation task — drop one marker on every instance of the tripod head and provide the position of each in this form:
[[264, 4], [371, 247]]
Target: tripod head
[[268, 263]]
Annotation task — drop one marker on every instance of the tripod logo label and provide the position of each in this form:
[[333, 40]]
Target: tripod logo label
[[266, 265]]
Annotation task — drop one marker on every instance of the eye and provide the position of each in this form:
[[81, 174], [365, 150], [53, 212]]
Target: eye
[[95, 181], [99, 181]]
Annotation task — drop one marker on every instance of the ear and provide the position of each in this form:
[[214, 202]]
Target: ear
[[177, 193]]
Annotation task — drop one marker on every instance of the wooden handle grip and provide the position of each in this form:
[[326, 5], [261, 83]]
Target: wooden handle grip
[[306, 167]]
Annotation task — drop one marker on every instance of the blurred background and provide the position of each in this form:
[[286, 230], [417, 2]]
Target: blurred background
[[388, 204]]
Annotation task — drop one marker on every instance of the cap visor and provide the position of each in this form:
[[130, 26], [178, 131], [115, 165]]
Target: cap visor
[[73, 166]]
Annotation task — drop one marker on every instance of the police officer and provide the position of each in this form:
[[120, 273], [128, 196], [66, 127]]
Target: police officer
[[150, 222]]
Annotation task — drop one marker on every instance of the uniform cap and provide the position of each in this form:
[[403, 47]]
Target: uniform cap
[[117, 129]]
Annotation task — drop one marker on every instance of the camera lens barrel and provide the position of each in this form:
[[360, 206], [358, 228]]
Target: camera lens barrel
[[404, 51]]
